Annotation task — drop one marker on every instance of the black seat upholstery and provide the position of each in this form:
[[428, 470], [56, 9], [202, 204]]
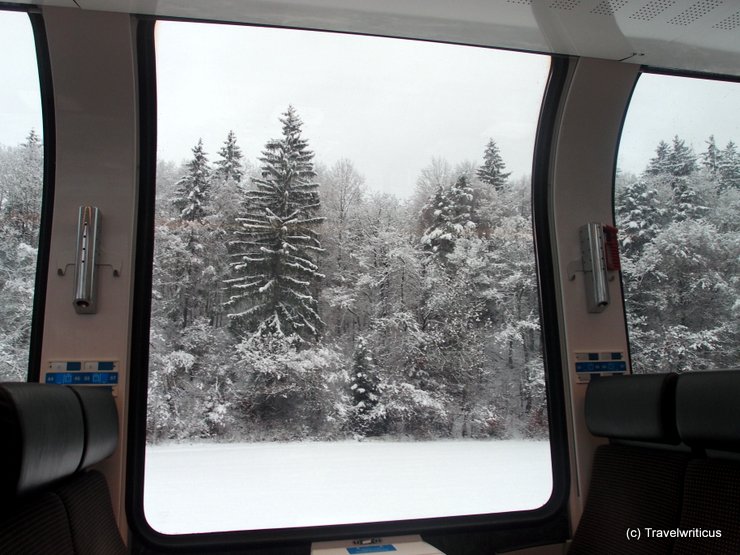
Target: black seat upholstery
[[708, 418], [50, 503], [637, 478], [44, 436]]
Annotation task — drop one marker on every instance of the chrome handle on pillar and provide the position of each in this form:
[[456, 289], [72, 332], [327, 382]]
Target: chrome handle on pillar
[[88, 232], [595, 267]]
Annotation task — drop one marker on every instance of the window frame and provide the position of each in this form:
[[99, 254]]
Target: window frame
[[649, 70], [547, 524]]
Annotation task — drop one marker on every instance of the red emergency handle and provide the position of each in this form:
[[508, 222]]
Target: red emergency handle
[[611, 248]]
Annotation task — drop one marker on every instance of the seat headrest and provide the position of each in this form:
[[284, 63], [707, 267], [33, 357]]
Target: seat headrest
[[50, 432], [708, 409], [639, 407], [101, 423]]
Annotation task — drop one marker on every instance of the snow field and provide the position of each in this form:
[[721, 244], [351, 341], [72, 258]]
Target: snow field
[[248, 486]]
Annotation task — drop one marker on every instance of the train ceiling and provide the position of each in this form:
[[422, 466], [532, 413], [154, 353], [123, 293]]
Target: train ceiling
[[698, 35]]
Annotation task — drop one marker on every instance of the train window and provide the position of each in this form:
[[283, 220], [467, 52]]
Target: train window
[[344, 319], [21, 184], [677, 204]]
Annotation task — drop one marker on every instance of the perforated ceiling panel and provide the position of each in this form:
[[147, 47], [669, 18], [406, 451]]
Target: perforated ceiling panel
[[609, 7], [652, 9], [695, 12], [729, 24], [565, 4]]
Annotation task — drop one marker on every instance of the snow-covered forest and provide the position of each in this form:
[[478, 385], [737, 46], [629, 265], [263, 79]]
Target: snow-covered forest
[[21, 176], [291, 302], [679, 225]]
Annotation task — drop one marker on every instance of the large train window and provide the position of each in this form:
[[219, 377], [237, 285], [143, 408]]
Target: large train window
[[677, 204], [21, 185], [344, 322]]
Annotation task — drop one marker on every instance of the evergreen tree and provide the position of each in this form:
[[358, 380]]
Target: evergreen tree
[[687, 204], [660, 163], [639, 215], [230, 166], [195, 283], [364, 388], [191, 196], [430, 214], [711, 157], [452, 214], [729, 168], [274, 290], [492, 170], [681, 159]]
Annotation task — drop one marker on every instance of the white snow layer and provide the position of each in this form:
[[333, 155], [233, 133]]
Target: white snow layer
[[250, 486]]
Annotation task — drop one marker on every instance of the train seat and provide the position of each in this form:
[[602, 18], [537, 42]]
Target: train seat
[[637, 478], [51, 502], [708, 419]]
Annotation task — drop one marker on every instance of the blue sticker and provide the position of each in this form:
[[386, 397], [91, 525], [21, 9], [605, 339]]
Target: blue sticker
[[602, 366], [83, 378], [371, 549]]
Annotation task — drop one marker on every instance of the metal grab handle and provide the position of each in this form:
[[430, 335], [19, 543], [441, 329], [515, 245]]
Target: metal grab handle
[[594, 267], [88, 231]]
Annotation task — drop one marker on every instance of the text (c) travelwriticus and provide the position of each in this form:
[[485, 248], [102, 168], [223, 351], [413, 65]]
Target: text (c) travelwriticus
[[647, 532]]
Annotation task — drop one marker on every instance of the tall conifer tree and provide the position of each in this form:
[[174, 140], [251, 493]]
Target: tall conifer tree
[[711, 157], [659, 164], [364, 388], [452, 214], [729, 167], [274, 290], [193, 188], [640, 216], [229, 166], [681, 158], [492, 170]]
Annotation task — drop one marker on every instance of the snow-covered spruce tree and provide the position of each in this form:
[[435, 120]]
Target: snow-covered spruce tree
[[729, 168], [674, 160], [659, 164], [711, 157], [229, 166], [639, 214], [452, 214], [275, 273], [675, 165], [492, 170], [192, 189], [364, 390], [687, 203], [681, 159], [192, 201]]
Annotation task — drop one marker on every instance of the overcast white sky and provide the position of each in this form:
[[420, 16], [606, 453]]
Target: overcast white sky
[[20, 101], [388, 105], [663, 106]]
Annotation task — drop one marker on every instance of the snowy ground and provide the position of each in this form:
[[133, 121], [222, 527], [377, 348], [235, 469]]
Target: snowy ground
[[210, 487]]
